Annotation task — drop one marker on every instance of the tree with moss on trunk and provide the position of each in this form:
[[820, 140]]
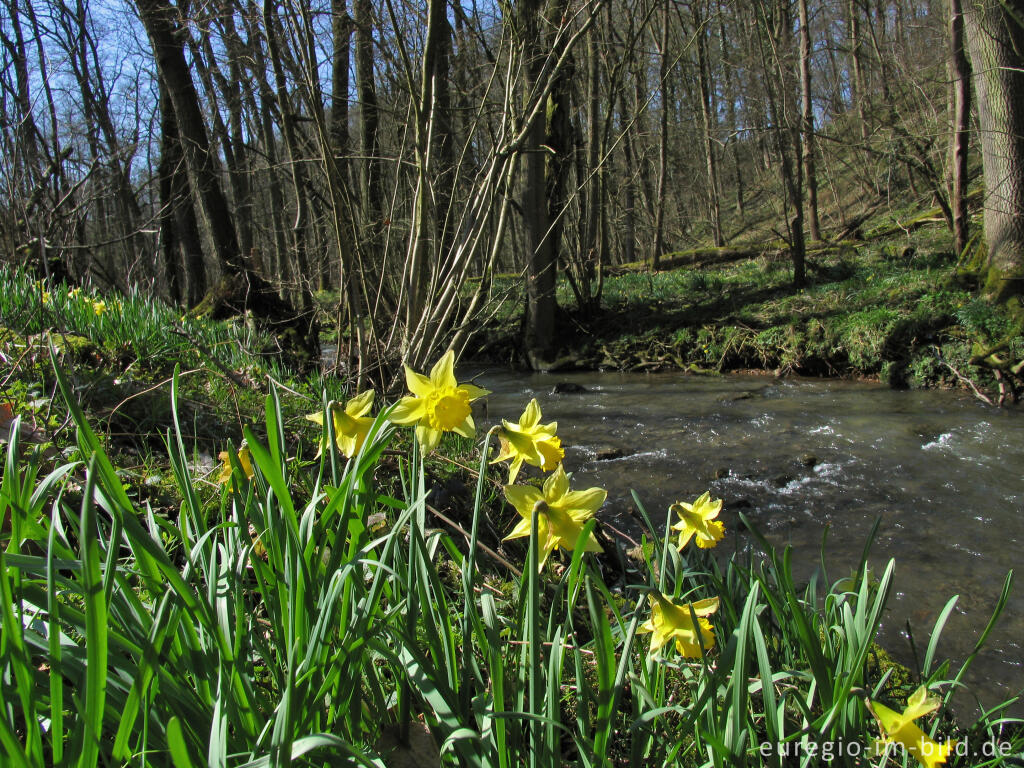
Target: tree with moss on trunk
[[995, 42]]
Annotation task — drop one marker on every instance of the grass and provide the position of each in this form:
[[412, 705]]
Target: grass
[[891, 310], [266, 622], [318, 611]]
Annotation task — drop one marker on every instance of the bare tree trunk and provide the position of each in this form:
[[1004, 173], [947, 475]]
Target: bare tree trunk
[[241, 288], [663, 84], [995, 41], [961, 76], [807, 119], [369, 120], [299, 255], [541, 188], [179, 229], [709, 122], [858, 85], [341, 32], [593, 197], [734, 139]]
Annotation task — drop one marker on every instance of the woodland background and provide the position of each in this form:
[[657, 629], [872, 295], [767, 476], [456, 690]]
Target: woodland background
[[384, 160]]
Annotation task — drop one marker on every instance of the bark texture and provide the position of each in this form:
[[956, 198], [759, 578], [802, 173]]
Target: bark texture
[[995, 41]]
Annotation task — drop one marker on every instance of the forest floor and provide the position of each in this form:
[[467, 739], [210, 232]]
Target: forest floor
[[889, 306]]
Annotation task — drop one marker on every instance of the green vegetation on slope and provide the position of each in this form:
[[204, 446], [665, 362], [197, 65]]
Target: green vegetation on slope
[[889, 309]]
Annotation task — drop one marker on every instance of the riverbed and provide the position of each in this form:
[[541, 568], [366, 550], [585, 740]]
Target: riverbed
[[940, 471]]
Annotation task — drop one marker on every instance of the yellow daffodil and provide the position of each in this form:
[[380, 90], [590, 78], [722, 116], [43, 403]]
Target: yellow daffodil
[[351, 424], [697, 521], [561, 513], [74, 293], [900, 729], [438, 404], [46, 298], [529, 441], [99, 307], [673, 621], [244, 459]]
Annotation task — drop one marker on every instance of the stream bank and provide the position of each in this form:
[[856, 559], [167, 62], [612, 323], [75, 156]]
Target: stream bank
[[804, 458]]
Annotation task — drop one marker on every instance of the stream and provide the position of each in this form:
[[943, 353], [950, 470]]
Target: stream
[[941, 471]]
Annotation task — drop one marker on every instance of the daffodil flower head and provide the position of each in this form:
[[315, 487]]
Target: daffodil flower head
[[900, 728], [351, 424], [99, 307], [438, 403], [561, 513], [244, 460], [697, 521], [529, 442], [675, 621]]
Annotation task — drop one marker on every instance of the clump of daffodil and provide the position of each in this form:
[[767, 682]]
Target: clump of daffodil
[[674, 621], [560, 512], [697, 521], [899, 728], [351, 424], [529, 441], [244, 460], [438, 404]]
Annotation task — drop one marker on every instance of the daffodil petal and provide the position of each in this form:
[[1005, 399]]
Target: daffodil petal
[[466, 427], [408, 410], [513, 469], [521, 530], [417, 383], [920, 704], [360, 404], [443, 372], [523, 498], [427, 437], [556, 486], [531, 416], [582, 505], [474, 391]]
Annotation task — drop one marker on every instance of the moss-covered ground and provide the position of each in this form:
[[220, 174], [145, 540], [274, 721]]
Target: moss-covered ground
[[891, 307]]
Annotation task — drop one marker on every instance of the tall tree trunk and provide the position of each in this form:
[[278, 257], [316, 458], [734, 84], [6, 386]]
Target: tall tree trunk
[[341, 33], [995, 41], [543, 185], [663, 84], [299, 230], [369, 119], [733, 127], [858, 80], [593, 198], [807, 119], [179, 229], [961, 77], [709, 122], [242, 288]]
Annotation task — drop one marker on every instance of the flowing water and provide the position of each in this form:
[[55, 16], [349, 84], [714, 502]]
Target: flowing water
[[941, 471]]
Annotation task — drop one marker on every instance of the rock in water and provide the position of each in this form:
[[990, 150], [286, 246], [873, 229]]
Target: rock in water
[[568, 388]]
